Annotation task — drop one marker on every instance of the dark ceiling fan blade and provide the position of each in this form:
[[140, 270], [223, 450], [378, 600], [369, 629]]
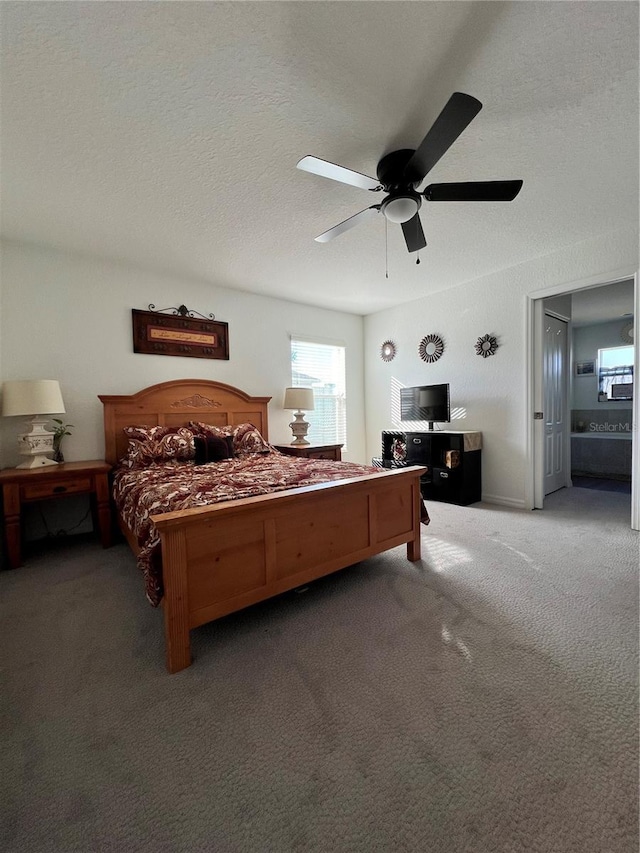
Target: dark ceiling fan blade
[[474, 191], [413, 234], [458, 112], [337, 173], [347, 225]]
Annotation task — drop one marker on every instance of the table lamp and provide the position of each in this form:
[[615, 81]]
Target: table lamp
[[38, 398], [299, 400]]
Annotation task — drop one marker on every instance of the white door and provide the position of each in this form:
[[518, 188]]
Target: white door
[[555, 404]]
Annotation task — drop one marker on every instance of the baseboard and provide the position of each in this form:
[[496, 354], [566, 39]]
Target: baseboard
[[499, 500]]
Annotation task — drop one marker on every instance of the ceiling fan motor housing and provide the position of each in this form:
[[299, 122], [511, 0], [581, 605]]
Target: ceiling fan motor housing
[[390, 170]]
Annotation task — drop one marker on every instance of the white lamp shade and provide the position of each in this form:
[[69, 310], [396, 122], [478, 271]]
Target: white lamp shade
[[298, 399], [32, 397]]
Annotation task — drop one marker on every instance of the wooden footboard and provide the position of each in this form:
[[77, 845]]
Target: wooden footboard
[[222, 558]]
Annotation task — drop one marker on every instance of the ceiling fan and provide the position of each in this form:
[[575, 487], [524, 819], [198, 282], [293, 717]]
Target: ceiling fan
[[401, 172]]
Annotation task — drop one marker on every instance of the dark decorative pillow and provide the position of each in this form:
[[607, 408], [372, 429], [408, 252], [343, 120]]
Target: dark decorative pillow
[[158, 444], [212, 449]]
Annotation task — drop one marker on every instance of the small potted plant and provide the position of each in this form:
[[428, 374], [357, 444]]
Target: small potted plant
[[59, 432]]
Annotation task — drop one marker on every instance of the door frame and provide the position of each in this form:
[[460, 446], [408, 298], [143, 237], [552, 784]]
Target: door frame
[[534, 314]]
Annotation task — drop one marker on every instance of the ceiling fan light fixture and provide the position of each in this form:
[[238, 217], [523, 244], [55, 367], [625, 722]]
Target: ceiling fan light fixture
[[401, 207]]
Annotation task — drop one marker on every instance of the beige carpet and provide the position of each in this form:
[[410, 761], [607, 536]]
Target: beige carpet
[[484, 700]]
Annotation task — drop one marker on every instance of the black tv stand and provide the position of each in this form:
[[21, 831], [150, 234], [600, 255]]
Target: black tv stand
[[452, 459]]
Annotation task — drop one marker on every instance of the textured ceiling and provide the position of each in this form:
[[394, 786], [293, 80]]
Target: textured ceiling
[[601, 304], [166, 135]]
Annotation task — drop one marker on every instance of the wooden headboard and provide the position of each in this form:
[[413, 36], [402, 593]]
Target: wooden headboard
[[176, 403]]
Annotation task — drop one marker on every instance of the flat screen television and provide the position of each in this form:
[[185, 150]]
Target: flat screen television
[[425, 403]]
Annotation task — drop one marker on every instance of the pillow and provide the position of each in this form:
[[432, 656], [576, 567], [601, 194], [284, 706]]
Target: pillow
[[246, 437], [198, 428], [211, 448], [158, 444]]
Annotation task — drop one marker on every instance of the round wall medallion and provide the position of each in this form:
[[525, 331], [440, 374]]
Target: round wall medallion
[[626, 333], [388, 351], [431, 348], [486, 346]]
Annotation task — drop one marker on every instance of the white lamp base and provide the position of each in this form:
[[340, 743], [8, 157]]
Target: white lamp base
[[37, 462], [299, 428], [35, 444]]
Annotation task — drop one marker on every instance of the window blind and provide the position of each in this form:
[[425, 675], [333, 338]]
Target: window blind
[[321, 366], [615, 367]]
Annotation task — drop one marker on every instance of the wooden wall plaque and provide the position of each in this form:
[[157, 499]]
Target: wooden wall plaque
[[155, 333]]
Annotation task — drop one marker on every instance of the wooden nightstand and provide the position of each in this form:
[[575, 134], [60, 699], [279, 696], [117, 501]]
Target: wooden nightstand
[[26, 485], [312, 451]]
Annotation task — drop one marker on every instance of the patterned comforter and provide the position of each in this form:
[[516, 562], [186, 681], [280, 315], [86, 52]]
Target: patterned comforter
[[170, 486]]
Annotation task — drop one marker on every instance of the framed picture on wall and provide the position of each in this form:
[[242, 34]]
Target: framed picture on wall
[[585, 368], [179, 333]]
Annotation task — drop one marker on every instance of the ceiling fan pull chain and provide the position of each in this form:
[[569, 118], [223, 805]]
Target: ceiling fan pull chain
[[386, 248], [417, 259]]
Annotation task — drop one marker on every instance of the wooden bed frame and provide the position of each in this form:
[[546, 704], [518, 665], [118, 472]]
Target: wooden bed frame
[[225, 557]]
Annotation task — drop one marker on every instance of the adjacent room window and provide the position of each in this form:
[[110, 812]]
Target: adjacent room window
[[615, 373], [321, 366]]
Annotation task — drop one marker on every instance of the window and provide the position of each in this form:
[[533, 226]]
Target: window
[[615, 373], [321, 366]]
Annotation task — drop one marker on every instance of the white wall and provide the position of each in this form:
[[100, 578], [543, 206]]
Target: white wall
[[492, 390], [68, 317], [1, 307]]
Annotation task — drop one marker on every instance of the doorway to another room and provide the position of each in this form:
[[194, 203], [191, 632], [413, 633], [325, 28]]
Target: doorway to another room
[[582, 406]]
